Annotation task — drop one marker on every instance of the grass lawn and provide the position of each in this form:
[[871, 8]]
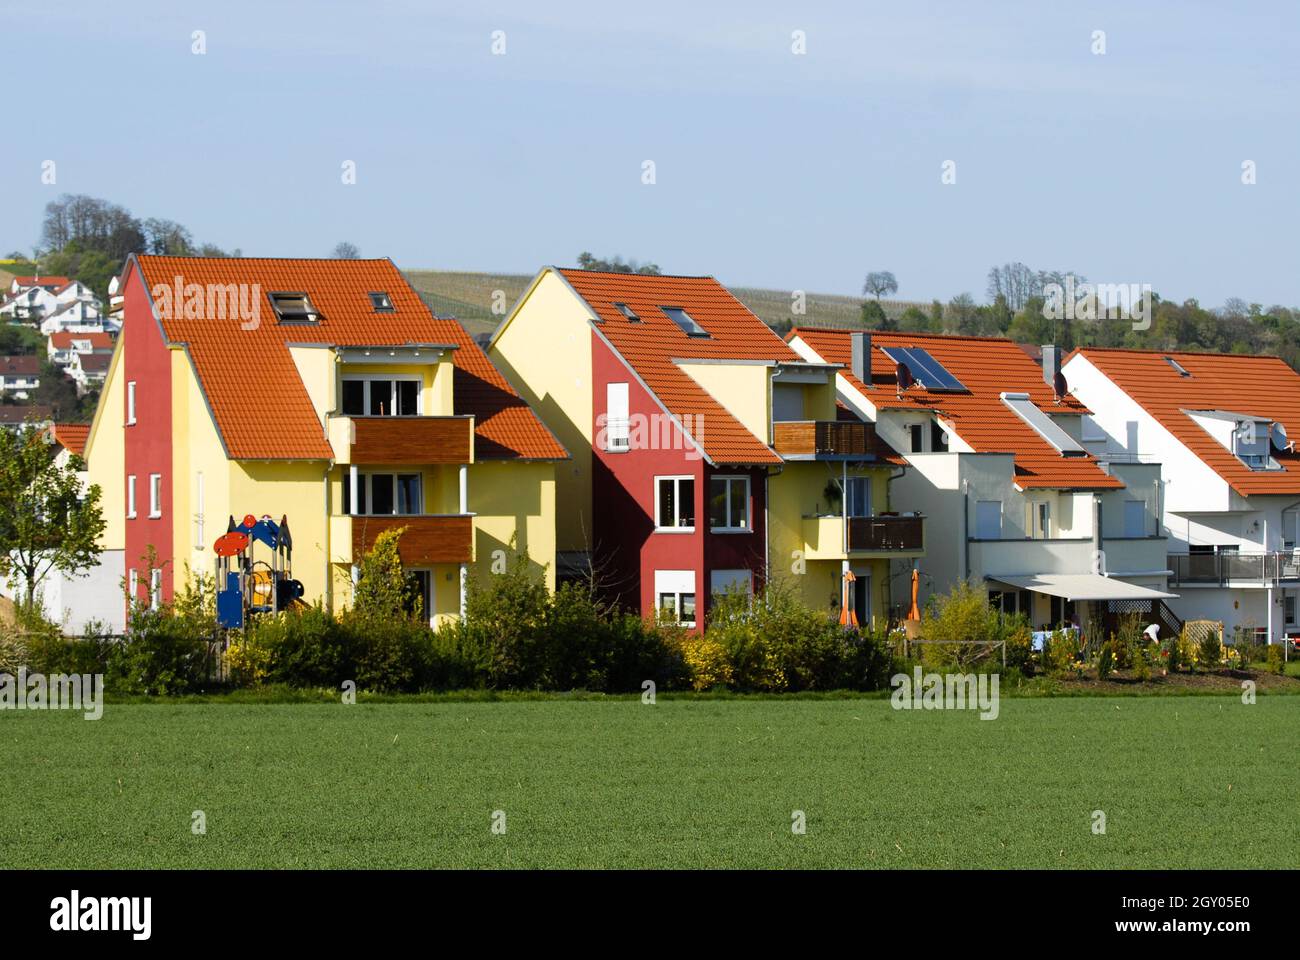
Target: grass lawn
[[1184, 782]]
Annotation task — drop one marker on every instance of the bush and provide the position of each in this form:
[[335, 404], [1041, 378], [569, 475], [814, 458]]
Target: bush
[[1060, 652], [1275, 662], [1106, 660], [962, 615], [163, 654], [1141, 662], [1210, 650], [301, 648], [707, 662], [1019, 638]]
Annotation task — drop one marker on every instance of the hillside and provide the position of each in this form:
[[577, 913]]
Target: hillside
[[468, 298]]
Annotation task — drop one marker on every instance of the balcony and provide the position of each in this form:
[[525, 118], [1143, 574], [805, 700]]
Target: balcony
[[394, 441], [429, 538], [884, 536], [822, 439], [1233, 569]]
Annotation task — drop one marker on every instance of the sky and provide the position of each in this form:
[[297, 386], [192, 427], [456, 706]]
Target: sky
[[502, 137]]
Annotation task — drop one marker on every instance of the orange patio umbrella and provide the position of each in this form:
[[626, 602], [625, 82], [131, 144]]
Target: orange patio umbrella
[[915, 612], [848, 615]]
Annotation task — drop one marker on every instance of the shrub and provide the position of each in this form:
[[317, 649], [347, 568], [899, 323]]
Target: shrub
[[1059, 655], [382, 590], [301, 648], [962, 615], [1019, 638], [1275, 662], [13, 651], [1173, 649], [706, 660], [390, 654], [506, 626], [1141, 662], [163, 653], [1105, 660], [1210, 650]]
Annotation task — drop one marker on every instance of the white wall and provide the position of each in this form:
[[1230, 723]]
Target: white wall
[[74, 602]]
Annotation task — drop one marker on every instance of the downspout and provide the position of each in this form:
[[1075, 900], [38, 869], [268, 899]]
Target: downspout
[[464, 508], [1098, 556], [965, 529], [329, 567]]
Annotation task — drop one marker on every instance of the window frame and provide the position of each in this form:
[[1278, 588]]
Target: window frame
[[367, 496], [677, 597], [380, 301], [696, 329], [365, 380], [308, 316], [130, 403], [677, 500], [1128, 512], [155, 496], [728, 479], [916, 437], [130, 497], [625, 431]]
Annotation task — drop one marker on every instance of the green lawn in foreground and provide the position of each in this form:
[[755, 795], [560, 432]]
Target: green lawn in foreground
[[1186, 782]]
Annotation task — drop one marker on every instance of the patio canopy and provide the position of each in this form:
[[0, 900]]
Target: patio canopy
[[1084, 586]]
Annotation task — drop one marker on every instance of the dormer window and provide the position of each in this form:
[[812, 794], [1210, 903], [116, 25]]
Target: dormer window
[[293, 308], [1178, 367], [627, 311], [684, 320], [380, 302]]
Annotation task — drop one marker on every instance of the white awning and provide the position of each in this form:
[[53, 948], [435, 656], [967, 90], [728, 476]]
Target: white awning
[[1084, 586]]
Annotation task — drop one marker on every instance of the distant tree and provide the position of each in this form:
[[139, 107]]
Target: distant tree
[[167, 238], [874, 318], [880, 283], [1015, 283], [346, 251], [962, 315], [914, 320], [46, 521], [587, 261], [936, 316]]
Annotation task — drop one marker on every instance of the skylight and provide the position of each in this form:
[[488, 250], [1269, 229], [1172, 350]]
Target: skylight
[[627, 311], [381, 302], [1043, 425], [684, 320], [293, 308], [1182, 371], [925, 369]]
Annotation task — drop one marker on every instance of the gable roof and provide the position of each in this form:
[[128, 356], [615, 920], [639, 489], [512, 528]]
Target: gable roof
[[22, 366], [11, 414], [71, 436], [93, 362], [63, 340], [651, 345], [1263, 387], [252, 386], [47, 282], [987, 367]]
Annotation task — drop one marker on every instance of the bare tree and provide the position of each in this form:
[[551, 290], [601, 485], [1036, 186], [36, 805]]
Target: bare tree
[[880, 283], [346, 251]]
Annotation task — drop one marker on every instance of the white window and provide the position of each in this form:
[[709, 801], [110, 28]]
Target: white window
[[1135, 518], [916, 433], [385, 494], [381, 396], [1038, 520], [130, 495], [133, 581], [675, 503], [130, 402], [988, 519], [616, 417], [859, 502], [725, 581], [155, 588], [729, 504], [155, 495], [675, 595]]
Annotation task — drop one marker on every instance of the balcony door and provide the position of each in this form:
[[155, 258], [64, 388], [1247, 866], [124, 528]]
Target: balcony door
[[859, 497], [385, 494], [380, 396]]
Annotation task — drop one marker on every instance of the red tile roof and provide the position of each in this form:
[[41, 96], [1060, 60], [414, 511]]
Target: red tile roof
[[252, 385], [62, 340], [651, 345], [94, 362], [43, 281], [987, 367], [1264, 387], [71, 436], [11, 414], [20, 366]]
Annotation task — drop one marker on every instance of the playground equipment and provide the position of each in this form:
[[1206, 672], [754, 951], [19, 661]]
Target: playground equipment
[[246, 585]]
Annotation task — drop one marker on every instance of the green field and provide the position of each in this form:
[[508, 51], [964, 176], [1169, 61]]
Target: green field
[[1184, 782], [468, 298]]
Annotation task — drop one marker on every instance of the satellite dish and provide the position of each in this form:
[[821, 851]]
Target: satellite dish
[[1060, 386], [1278, 435], [905, 378]]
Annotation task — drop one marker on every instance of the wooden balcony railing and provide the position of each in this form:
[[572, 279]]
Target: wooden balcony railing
[[886, 533], [392, 441], [822, 438], [428, 539]]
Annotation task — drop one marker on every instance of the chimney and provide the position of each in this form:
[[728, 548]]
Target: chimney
[[1051, 364], [861, 363]]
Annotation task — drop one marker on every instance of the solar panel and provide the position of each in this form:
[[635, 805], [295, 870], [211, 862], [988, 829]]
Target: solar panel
[[1043, 425], [928, 371]]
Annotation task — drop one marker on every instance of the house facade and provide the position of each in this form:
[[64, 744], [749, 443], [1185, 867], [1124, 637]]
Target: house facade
[[32, 297], [996, 462], [20, 376], [703, 448], [61, 347], [323, 392], [1220, 428]]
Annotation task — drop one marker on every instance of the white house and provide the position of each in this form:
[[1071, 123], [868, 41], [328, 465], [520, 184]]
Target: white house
[[81, 316], [89, 370], [1230, 504], [998, 468], [63, 345], [19, 377], [29, 304]]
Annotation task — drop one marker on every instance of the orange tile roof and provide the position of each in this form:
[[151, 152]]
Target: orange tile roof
[[987, 367], [34, 281], [257, 398], [651, 345], [1264, 387], [62, 340], [71, 436]]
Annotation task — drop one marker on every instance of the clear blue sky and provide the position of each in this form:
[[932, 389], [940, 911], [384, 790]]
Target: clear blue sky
[[776, 170]]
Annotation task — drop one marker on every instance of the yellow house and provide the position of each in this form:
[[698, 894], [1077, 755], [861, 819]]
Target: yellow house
[[706, 454], [323, 393]]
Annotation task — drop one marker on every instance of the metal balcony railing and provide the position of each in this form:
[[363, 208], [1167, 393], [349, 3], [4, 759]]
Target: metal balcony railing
[[1223, 568]]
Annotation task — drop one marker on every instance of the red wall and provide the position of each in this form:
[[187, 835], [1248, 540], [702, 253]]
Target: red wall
[[626, 550], [148, 443]]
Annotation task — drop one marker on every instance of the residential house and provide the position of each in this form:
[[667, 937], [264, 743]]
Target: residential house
[[50, 284], [29, 304], [324, 392], [75, 290], [994, 446], [25, 416], [88, 370], [707, 455], [1220, 427], [62, 345], [19, 376], [74, 316]]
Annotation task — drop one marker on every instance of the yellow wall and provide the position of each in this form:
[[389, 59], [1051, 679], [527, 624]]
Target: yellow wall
[[741, 388], [106, 454], [514, 500], [316, 367], [544, 350]]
